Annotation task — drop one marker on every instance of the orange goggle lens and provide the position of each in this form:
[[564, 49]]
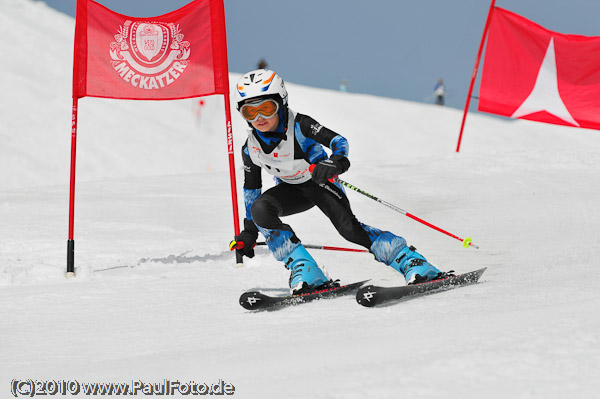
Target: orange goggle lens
[[266, 108]]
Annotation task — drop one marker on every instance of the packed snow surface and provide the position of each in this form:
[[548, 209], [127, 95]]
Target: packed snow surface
[[156, 292]]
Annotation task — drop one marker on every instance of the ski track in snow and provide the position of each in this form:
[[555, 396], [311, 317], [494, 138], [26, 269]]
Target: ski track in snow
[[156, 296]]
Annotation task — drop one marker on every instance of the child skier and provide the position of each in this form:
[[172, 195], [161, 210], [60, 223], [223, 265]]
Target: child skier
[[285, 144]]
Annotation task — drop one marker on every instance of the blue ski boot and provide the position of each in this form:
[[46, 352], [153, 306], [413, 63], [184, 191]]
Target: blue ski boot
[[414, 266], [305, 275]]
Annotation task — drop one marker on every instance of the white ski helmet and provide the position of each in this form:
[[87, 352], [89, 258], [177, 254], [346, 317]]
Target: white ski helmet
[[260, 83]]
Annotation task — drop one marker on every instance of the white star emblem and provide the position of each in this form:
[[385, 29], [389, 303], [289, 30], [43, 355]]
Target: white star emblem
[[545, 95]]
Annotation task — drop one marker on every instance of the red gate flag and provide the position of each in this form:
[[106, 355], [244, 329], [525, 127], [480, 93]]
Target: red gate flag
[[181, 54], [533, 73], [177, 55]]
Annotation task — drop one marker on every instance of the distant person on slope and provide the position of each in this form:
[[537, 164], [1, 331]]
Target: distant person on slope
[[285, 144], [439, 92]]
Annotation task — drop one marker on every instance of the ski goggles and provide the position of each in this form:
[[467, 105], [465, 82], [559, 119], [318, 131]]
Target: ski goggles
[[267, 109]]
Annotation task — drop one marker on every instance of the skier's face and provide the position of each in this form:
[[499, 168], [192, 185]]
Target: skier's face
[[266, 125]]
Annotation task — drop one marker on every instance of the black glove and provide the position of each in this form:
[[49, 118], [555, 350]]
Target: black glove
[[246, 240], [329, 168]]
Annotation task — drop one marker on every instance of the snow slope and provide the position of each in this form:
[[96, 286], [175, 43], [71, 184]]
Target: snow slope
[[155, 295]]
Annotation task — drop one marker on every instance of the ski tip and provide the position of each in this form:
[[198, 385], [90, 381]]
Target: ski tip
[[367, 296], [251, 300], [480, 272]]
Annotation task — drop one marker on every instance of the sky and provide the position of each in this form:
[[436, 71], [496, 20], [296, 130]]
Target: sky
[[391, 48]]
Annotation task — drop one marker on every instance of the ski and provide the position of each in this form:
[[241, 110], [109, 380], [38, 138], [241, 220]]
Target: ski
[[254, 300], [371, 295]]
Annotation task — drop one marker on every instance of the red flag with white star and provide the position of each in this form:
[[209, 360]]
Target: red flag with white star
[[177, 55], [533, 73]]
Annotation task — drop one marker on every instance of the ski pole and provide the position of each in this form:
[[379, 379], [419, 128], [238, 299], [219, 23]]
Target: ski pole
[[466, 242], [326, 248]]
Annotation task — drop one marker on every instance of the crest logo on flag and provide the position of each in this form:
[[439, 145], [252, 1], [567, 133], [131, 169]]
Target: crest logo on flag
[[149, 39], [149, 55]]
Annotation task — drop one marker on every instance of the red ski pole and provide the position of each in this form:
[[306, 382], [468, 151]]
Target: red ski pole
[[326, 248], [466, 242]]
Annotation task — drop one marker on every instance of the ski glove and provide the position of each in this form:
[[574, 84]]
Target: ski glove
[[329, 168], [246, 240]]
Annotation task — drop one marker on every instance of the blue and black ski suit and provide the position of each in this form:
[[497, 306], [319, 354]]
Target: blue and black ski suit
[[287, 154]]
